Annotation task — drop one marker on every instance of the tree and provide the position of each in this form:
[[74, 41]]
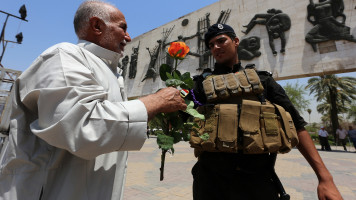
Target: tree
[[334, 93], [296, 94], [351, 113], [309, 111]]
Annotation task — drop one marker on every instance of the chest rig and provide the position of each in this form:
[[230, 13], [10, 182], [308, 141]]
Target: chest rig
[[238, 119]]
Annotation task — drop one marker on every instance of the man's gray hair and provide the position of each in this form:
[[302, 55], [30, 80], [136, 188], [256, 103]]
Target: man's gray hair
[[87, 10]]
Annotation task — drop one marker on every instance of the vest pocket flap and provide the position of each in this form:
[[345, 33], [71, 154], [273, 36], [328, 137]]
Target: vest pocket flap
[[250, 116], [270, 123], [232, 84], [209, 90], [294, 138], [243, 82], [227, 123], [220, 86], [288, 126], [254, 80]]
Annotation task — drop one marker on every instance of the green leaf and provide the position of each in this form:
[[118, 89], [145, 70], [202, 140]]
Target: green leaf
[[187, 80], [165, 142], [177, 135], [169, 76], [190, 110], [174, 82], [205, 137], [176, 74], [163, 69]]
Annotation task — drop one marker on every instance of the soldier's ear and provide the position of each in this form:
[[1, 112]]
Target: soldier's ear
[[236, 41]]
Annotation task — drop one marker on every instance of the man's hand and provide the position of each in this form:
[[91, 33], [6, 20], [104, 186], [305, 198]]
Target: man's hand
[[165, 100]]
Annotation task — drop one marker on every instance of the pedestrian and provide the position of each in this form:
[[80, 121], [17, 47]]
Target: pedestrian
[[323, 138], [234, 175], [352, 135], [341, 134], [71, 124]]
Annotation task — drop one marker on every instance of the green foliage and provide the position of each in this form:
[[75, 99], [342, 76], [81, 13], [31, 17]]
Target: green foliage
[[165, 142], [351, 113], [296, 94], [163, 71], [205, 136], [174, 129], [335, 95], [191, 111]]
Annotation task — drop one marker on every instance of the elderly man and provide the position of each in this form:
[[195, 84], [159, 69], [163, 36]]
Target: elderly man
[[237, 164], [71, 124]]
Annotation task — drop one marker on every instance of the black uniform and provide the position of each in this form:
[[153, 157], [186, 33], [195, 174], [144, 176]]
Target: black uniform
[[225, 176]]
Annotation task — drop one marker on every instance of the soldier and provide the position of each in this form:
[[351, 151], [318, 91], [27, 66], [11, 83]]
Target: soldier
[[241, 166]]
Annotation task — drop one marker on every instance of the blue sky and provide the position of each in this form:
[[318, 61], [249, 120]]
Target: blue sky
[[51, 22]]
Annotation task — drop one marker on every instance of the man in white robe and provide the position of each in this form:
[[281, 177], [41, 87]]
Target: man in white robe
[[71, 124]]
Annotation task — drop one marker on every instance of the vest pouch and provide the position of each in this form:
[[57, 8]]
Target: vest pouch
[[270, 128], [207, 126], [195, 140], [270, 132], [209, 90], [220, 87], [290, 137], [250, 127], [294, 135], [227, 129], [286, 145], [244, 84], [232, 84], [254, 80]]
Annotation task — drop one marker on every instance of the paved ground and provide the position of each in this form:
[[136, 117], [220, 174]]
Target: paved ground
[[298, 178]]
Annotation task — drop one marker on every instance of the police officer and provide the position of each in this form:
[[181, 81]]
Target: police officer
[[222, 175]]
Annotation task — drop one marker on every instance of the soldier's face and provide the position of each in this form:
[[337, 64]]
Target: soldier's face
[[224, 49]]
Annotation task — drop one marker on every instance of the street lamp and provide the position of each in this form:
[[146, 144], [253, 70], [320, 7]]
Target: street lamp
[[19, 37]]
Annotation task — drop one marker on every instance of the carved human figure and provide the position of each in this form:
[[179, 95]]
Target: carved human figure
[[276, 23], [249, 48], [133, 63], [123, 66], [325, 17]]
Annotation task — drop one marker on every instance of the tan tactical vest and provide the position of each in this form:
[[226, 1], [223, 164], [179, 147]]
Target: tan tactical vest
[[236, 120]]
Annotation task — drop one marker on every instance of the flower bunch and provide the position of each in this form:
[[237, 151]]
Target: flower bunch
[[172, 126]]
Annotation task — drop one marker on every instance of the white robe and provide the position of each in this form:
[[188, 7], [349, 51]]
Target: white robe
[[70, 128]]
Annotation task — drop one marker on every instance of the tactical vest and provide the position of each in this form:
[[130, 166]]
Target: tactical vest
[[237, 119]]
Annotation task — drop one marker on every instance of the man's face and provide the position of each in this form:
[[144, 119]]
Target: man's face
[[224, 49], [115, 36]]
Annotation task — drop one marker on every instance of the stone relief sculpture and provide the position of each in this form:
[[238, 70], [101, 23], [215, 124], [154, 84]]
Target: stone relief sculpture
[[123, 66], [329, 22], [152, 70], [249, 48], [276, 23], [133, 62]]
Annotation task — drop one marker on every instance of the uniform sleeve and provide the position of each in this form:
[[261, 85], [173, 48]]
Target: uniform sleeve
[[276, 94], [71, 109]]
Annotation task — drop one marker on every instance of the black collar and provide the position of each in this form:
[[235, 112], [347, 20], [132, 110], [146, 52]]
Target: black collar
[[223, 69]]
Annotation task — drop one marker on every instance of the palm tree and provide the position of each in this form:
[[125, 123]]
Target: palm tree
[[335, 93], [309, 111]]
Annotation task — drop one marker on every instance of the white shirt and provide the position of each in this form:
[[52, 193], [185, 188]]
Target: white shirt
[[323, 133], [342, 133], [70, 127]]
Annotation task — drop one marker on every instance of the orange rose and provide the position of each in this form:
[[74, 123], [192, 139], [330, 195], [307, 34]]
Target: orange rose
[[178, 50]]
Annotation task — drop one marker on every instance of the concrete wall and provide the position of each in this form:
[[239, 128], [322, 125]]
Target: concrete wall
[[299, 59]]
